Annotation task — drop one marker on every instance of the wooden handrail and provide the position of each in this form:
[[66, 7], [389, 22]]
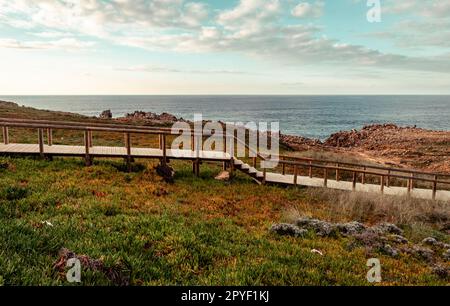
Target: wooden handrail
[[364, 165], [360, 171]]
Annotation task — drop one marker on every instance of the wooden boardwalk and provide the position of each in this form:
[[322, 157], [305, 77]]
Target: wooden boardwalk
[[420, 184], [105, 151]]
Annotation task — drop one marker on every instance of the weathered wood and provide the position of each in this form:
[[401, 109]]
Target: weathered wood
[[91, 140], [41, 142], [295, 175], [434, 188], [87, 157], [325, 177], [283, 166], [363, 179], [310, 169], [337, 172], [164, 149], [50, 137], [353, 180], [5, 135], [128, 147], [382, 183], [388, 183]]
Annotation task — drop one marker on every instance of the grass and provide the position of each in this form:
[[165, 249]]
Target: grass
[[197, 231]]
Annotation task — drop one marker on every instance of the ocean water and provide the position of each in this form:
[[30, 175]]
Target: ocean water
[[309, 116]]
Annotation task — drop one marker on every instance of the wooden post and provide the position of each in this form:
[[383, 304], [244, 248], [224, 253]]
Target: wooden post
[[41, 142], [310, 169], [160, 141], [264, 175], [50, 137], [388, 183], [354, 181], [91, 142], [382, 183], [325, 177], [5, 135], [411, 181], [434, 187], [231, 167], [86, 145], [295, 174], [254, 162], [128, 146], [192, 142], [164, 150], [337, 172], [363, 180], [283, 167]]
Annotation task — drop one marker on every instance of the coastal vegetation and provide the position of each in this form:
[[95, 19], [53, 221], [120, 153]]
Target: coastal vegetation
[[133, 228]]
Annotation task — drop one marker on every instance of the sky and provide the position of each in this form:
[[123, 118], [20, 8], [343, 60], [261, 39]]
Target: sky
[[224, 47]]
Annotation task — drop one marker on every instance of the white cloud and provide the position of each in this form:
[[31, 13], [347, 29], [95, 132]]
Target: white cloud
[[308, 10], [68, 44]]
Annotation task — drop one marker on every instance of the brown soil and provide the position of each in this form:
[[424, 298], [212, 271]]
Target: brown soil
[[410, 147]]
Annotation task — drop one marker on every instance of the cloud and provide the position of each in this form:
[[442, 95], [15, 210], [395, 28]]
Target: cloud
[[161, 69], [253, 28], [61, 44], [308, 10]]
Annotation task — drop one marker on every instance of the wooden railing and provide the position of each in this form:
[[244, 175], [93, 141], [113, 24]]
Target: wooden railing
[[385, 174], [89, 127]]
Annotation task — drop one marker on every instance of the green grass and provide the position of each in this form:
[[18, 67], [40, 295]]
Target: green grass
[[197, 231]]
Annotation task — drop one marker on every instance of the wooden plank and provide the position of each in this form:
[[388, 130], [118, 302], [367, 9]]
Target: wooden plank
[[41, 142], [5, 135], [50, 136]]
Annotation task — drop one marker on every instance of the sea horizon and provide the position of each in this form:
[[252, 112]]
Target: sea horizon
[[313, 116]]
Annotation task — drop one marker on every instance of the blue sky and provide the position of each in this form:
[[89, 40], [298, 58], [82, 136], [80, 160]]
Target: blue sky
[[223, 47]]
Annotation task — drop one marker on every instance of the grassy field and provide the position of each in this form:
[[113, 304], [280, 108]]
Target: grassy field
[[197, 231]]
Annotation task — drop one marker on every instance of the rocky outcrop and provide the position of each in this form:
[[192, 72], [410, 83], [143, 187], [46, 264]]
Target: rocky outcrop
[[287, 229], [106, 114], [354, 137], [150, 116], [384, 238], [298, 142]]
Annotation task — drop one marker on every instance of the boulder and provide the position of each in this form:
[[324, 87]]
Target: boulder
[[223, 176], [106, 114], [387, 228], [287, 229], [351, 228], [166, 172], [321, 228], [430, 241]]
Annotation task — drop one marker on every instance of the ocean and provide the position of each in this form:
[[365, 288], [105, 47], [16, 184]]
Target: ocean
[[309, 116]]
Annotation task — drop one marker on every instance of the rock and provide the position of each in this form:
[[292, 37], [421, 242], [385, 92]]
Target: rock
[[106, 114], [389, 250], [421, 252], [398, 239], [387, 228], [446, 255], [149, 116], [430, 241], [321, 228], [223, 176], [166, 172], [351, 228], [441, 271], [298, 142], [287, 229]]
